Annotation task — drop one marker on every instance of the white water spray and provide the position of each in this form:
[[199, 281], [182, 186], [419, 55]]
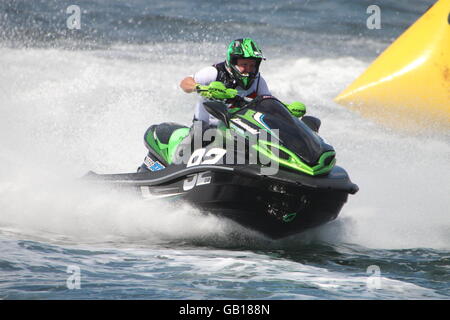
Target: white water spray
[[67, 112]]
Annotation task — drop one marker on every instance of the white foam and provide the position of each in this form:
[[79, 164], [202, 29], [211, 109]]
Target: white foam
[[239, 268]]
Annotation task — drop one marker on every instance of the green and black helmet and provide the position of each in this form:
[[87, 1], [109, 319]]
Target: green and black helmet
[[245, 48]]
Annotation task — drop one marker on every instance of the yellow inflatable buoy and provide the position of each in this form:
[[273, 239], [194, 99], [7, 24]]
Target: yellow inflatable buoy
[[409, 83]]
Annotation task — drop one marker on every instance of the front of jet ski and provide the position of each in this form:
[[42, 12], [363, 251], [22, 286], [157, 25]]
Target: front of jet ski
[[306, 190], [276, 205]]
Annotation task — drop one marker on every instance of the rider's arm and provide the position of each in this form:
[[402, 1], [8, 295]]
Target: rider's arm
[[203, 77]]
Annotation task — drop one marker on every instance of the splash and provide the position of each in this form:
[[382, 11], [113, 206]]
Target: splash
[[67, 112]]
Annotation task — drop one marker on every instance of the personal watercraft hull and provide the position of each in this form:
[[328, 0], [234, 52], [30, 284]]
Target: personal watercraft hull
[[276, 205], [260, 167]]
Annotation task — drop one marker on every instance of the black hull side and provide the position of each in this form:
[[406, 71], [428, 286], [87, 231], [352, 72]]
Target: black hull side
[[277, 206], [255, 205]]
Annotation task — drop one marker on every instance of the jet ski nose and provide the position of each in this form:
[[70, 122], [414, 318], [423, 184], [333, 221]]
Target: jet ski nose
[[353, 189]]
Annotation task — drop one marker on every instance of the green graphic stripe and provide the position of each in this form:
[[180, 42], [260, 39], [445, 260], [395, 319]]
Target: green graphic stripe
[[294, 161]]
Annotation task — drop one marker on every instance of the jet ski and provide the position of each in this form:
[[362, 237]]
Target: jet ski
[[260, 167]]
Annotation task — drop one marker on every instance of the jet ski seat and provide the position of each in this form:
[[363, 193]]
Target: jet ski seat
[[164, 130]]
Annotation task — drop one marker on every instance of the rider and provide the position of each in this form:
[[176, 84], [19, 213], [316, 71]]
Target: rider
[[240, 71]]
